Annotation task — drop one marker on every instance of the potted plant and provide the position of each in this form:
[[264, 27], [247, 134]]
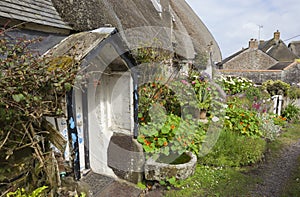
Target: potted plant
[[203, 92]]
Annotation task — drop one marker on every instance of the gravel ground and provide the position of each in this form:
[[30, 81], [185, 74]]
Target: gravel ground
[[274, 173]]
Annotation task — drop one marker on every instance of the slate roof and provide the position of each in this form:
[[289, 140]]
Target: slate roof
[[35, 11], [219, 64], [280, 66], [294, 46], [275, 49]]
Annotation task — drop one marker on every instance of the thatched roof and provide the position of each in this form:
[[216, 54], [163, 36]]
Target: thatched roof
[[172, 24], [125, 15], [295, 47], [277, 49]]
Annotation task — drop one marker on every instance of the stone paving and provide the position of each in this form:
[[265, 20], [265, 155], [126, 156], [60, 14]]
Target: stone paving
[[103, 186]]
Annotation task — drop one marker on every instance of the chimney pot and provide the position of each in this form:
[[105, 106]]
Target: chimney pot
[[276, 35], [253, 44]]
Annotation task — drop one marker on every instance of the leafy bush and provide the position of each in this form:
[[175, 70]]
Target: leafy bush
[[171, 134], [268, 127], [191, 94], [234, 84], [253, 93], [233, 149], [22, 192], [241, 120], [276, 87], [256, 99], [279, 120], [294, 93], [31, 87], [291, 112], [154, 93]]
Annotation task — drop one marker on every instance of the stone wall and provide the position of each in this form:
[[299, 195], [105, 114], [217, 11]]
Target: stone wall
[[292, 73], [250, 59], [256, 76]]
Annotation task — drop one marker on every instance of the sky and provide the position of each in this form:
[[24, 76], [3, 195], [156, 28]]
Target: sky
[[234, 22]]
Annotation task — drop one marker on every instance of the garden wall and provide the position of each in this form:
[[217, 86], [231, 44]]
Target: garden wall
[[290, 74], [257, 76]]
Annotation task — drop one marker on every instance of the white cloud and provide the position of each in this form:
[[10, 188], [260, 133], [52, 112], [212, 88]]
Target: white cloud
[[234, 22]]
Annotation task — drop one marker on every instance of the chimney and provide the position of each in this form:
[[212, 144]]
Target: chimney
[[261, 42], [253, 44], [276, 35]]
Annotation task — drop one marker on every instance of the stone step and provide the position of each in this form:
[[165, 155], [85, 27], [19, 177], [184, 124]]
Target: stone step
[[104, 186]]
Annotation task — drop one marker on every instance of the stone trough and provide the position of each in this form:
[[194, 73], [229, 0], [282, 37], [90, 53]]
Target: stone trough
[[162, 171]]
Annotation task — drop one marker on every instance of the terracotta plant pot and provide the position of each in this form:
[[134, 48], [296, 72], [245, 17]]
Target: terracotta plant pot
[[202, 114]]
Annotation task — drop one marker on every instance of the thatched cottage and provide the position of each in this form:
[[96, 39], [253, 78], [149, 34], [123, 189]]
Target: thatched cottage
[[102, 116]]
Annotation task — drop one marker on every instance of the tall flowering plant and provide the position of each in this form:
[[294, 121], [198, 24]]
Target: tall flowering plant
[[203, 91]]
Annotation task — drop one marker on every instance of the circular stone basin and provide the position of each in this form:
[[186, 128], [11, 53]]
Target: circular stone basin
[[158, 171]]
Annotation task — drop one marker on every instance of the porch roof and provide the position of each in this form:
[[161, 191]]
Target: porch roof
[[80, 44]]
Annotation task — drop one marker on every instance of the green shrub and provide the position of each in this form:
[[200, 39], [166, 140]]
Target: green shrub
[[279, 120], [276, 87], [171, 134], [253, 93], [22, 192], [269, 128], [291, 112], [235, 150], [294, 93], [241, 120]]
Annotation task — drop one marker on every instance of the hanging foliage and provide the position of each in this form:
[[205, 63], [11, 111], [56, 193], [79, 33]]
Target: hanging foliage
[[31, 88]]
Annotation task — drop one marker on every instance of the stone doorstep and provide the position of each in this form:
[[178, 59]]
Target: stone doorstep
[[103, 186], [120, 189]]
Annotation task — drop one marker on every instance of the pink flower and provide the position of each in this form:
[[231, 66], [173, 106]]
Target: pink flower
[[193, 82], [184, 82]]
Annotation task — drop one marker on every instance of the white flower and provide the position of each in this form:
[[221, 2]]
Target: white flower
[[215, 119]]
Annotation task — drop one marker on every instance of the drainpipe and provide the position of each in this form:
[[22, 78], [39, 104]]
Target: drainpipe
[[73, 135], [85, 115], [135, 104]]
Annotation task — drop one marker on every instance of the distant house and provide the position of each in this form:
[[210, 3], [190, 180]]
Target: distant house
[[294, 46], [102, 117], [264, 60]]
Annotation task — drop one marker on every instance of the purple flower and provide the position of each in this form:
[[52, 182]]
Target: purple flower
[[256, 106]]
